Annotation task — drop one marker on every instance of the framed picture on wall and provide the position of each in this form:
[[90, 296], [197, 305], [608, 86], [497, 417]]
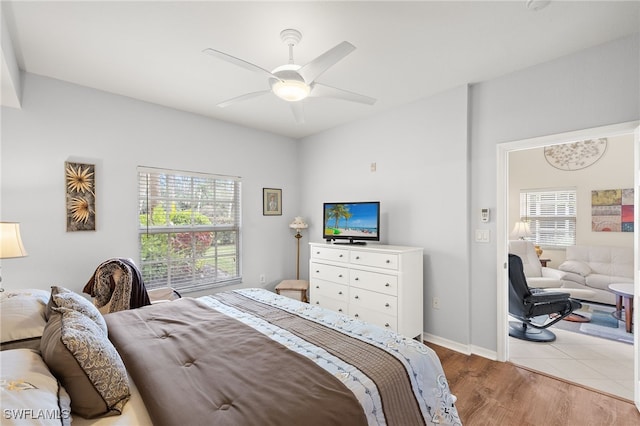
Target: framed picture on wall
[[271, 202]]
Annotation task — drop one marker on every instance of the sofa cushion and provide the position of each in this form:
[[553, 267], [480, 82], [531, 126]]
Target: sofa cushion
[[615, 261], [575, 266], [530, 262], [603, 281]]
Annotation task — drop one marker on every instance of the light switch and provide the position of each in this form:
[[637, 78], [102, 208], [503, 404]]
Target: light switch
[[482, 236]]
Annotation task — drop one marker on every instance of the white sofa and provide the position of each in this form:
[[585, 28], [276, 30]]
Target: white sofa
[[594, 268], [538, 276]]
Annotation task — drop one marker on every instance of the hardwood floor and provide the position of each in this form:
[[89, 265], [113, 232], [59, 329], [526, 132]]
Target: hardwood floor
[[501, 393]]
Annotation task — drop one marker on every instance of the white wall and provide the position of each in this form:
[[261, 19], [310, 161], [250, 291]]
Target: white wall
[[596, 87], [528, 169], [420, 151], [61, 121]]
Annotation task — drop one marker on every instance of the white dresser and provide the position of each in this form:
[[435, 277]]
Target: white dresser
[[379, 284]]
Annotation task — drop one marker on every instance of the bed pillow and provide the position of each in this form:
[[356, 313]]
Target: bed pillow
[[28, 389], [65, 298], [81, 356], [22, 315], [575, 266]]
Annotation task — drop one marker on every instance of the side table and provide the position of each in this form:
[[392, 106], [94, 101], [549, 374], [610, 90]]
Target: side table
[[295, 289], [544, 262], [624, 296]]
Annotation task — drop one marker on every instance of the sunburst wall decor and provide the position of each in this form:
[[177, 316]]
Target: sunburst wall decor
[[81, 196], [575, 155]]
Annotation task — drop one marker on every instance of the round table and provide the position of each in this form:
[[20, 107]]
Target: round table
[[624, 296]]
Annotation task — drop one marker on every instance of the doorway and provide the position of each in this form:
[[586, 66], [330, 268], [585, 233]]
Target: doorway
[[504, 151]]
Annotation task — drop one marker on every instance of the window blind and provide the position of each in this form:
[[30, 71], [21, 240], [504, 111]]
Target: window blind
[[189, 229], [551, 215]]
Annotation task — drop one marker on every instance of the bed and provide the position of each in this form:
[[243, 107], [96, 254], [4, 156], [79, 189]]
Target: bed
[[242, 357]]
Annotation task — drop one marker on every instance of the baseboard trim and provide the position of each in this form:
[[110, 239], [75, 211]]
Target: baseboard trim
[[449, 344], [459, 347]]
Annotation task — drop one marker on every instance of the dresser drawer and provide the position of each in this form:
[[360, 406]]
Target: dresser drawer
[[379, 302], [381, 283], [329, 303], [376, 260], [329, 289], [332, 254], [336, 274], [374, 317]]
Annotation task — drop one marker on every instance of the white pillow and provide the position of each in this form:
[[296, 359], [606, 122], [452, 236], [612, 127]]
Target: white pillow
[[29, 393], [575, 266], [22, 314]]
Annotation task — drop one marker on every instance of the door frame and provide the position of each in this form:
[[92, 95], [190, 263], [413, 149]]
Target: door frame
[[502, 231]]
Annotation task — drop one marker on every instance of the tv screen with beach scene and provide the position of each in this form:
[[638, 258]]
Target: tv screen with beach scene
[[354, 221]]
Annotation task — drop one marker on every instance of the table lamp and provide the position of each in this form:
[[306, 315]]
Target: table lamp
[[10, 243], [521, 230]]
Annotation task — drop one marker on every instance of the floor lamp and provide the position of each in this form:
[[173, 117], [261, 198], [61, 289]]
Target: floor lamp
[[298, 224], [10, 243]]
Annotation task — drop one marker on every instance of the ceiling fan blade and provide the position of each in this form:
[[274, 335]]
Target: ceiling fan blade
[[313, 69], [298, 111], [324, 91], [239, 62], [242, 98]]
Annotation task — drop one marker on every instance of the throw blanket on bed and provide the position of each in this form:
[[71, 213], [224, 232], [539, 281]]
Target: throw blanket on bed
[[117, 285], [252, 357]]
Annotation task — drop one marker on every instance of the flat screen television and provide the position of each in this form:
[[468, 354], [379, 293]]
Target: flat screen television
[[355, 222]]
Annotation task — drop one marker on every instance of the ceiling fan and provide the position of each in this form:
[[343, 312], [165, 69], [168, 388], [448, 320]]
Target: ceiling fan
[[292, 82]]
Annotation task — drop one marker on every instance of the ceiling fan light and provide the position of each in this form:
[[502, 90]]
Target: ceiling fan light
[[291, 90]]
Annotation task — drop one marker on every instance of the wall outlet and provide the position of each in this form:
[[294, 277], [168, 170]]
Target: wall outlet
[[263, 278], [435, 302]]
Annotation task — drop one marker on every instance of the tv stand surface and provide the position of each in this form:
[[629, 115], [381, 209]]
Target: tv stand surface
[[346, 243]]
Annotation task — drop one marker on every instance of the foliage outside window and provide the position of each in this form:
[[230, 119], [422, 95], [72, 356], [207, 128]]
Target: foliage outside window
[[189, 229], [551, 215]]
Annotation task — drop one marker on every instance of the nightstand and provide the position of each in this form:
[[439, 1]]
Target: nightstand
[[543, 262], [295, 289]]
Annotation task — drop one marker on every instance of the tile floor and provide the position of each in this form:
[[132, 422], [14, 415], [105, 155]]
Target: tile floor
[[591, 361]]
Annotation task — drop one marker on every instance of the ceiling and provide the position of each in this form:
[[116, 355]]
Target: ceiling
[[152, 50]]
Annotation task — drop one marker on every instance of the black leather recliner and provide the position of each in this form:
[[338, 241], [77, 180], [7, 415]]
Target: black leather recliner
[[526, 304]]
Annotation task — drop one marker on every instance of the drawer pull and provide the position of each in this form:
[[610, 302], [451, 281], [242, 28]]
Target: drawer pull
[[388, 261], [317, 302], [340, 310], [339, 292], [357, 297], [387, 285], [387, 325], [340, 255], [317, 271], [339, 275], [357, 257], [356, 315], [357, 279], [317, 286], [386, 305]]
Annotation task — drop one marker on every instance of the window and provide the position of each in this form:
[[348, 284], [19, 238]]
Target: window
[[189, 229], [551, 215]]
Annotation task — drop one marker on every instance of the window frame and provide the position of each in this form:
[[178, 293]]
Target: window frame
[[551, 231], [193, 280]]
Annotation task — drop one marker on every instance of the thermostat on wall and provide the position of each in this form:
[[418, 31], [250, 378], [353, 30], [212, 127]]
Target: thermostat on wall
[[484, 215]]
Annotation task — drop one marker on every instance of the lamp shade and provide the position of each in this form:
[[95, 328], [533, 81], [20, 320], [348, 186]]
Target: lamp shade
[[521, 230], [298, 224], [10, 241]]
